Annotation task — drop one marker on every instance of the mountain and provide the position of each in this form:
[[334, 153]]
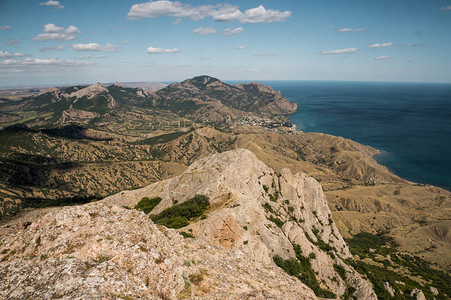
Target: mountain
[[201, 99], [256, 219], [189, 97]]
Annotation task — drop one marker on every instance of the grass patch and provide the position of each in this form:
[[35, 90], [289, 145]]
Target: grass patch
[[146, 204], [179, 215]]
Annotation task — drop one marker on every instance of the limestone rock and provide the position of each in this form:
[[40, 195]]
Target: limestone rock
[[418, 294], [96, 251], [259, 212], [389, 288]]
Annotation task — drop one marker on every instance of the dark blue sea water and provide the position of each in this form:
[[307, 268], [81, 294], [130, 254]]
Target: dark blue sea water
[[410, 122]]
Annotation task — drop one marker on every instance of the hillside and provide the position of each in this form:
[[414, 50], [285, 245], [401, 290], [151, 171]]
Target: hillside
[[259, 215], [199, 99]]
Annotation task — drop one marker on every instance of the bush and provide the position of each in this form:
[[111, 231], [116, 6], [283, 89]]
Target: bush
[[276, 221], [146, 204], [340, 270], [179, 215], [301, 268]]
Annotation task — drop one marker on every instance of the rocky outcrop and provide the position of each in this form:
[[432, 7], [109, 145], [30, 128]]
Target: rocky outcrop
[[260, 213], [97, 251], [89, 91]]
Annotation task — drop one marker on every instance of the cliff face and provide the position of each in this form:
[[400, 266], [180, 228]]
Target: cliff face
[[260, 213]]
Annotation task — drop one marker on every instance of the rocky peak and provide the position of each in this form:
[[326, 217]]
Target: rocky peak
[[89, 91], [202, 80], [117, 84], [260, 213]]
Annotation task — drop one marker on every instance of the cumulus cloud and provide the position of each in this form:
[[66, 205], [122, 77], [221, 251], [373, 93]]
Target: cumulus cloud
[[52, 3], [254, 15], [377, 45], [7, 27], [94, 47], [53, 32], [219, 12], [153, 50], [5, 54], [230, 31], [339, 51], [12, 41], [59, 48], [383, 57], [205, 30], [446, 7], [240, 47], [153, 9], [87, 56], [351, 30]]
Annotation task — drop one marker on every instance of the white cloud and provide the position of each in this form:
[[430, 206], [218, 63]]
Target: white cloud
[[53, 32], [100, 56], [266, 54], [241, 47], [153, 50], [53, 3], [351, 30], [153, 9], [205, 30], [446, 7], [5, 54], [87, 56], [94, 47], [11, 41], [383, 57], [7, 27], [20, 54], [41, 61], [254, 15], [254, 69], [230, 31], [412, 45], [59, 48], [377, 45], [219, 12], [340, 51], [125, 42]]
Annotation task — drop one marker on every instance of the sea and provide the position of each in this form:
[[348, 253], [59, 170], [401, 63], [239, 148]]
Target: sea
[[409, 122]]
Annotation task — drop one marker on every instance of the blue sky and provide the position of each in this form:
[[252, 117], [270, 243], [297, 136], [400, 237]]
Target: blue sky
[[68, 42]]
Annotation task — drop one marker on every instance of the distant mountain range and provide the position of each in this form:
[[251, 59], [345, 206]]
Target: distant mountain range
[[201, 98]]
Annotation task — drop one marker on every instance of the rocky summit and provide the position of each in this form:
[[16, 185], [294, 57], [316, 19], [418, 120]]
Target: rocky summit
[[257, 220]]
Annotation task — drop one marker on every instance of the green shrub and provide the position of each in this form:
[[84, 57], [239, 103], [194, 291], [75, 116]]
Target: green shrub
[[186, 234], [340, 271], [301, 268], [361, 243], [146, 204], [268, 207], [276, 221], [179, 215], [274, 197]]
